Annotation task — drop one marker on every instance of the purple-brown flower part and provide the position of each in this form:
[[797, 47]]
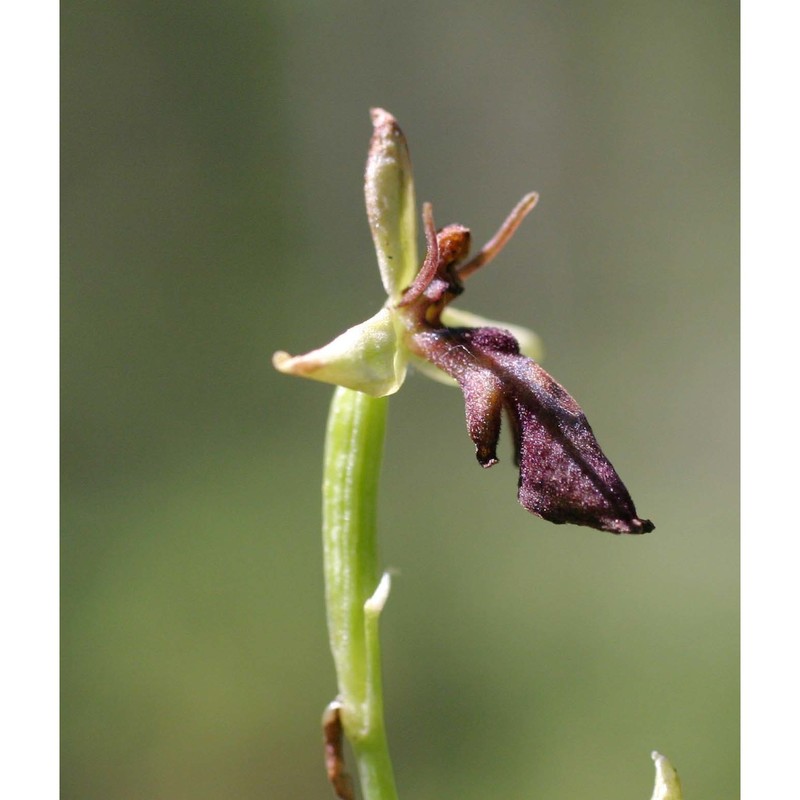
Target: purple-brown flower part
[[564, 475]]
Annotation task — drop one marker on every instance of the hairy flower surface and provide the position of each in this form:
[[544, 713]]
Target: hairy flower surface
[[563, 474]]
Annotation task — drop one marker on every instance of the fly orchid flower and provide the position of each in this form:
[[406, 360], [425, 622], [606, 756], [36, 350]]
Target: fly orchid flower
[[563, 474]]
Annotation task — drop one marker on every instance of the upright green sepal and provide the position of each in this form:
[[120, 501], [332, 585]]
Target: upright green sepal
[[391, 205]]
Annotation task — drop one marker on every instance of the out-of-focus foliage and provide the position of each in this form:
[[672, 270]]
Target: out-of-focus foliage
[[212, 212], [668, 784]]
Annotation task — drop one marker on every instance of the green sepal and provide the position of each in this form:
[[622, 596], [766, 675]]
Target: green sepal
[[368, 358]]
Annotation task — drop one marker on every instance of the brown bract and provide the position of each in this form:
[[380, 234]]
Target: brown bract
[[333, 740], [564, 476]]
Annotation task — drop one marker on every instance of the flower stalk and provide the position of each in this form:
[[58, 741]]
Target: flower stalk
[[354, 594]]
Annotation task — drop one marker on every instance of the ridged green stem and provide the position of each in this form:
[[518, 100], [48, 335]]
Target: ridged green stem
[[353, 451]]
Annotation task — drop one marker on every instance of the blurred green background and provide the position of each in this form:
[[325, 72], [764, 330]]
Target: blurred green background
[[212, 213]]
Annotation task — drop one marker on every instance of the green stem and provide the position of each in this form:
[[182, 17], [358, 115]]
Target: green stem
[[353, 450]]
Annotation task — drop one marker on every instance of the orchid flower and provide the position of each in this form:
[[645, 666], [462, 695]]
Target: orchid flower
[[564, 476]]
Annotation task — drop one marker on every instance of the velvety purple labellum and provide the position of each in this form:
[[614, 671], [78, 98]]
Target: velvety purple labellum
[[564, 475]]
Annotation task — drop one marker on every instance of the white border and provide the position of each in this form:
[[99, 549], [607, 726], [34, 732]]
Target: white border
[[770, 265], [29, 434]]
